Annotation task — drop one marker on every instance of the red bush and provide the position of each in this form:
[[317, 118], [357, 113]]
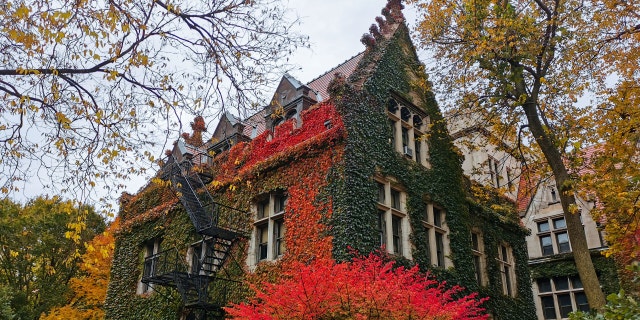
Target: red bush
[[366, 288]]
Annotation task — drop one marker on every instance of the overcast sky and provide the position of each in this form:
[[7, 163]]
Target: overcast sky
[[335, 28]]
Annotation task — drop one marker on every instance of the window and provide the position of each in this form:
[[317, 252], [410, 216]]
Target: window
[[554, 195], [407, 130], [479, 262], [269, 228], [206, 255], [561, 295], [553, 236], [494, 171], [563, 242], [547, 245], [507, 270], [601, 236], [392, 218], [151, 258], [437, 236], [509, 179]]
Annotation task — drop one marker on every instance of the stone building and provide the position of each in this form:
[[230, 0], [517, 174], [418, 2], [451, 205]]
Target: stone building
[[358, 159], [495, 163]]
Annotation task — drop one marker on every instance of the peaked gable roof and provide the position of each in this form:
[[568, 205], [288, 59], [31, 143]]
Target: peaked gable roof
[[256, 124], [346, 68], [530, 182]]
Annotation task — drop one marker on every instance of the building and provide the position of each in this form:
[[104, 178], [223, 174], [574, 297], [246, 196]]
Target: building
[[494, 163], [358, 159], [489, 160], [556, 285]]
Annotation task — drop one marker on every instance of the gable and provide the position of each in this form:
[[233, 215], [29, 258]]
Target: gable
[[225, 127]]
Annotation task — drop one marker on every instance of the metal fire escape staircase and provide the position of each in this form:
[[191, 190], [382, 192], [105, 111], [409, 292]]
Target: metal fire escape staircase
[[169, 268]]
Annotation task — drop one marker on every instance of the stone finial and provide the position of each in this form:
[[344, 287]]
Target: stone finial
[[393, 11], [198, 126]]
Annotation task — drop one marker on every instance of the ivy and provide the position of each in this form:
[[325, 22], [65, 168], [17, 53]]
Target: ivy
[[328, 175], [391, 68], [563, 265]]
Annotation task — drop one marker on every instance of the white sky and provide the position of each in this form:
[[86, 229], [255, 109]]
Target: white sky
[[335, 28]]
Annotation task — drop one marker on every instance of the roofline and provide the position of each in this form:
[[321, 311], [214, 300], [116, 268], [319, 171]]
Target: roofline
[[336, 67]]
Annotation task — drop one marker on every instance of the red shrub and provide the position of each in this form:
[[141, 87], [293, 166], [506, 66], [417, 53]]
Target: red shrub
[[366, 288]]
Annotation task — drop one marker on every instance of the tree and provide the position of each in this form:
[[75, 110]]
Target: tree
[[613, 173], [366, 288], [88, 87], [525, 64], [6, 312], [89, 286], [40, 246]]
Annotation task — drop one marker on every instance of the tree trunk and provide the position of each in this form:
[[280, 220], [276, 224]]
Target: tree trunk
[[577, 236]]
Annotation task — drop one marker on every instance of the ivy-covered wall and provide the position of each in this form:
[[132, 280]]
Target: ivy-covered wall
[[299, 161], [153, 213], [328, 176], [391, 68]]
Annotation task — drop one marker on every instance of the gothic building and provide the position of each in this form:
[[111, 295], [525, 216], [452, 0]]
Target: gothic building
[[357, 160]]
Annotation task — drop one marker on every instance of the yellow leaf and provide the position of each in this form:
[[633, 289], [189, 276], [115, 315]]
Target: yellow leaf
[[22, 12]]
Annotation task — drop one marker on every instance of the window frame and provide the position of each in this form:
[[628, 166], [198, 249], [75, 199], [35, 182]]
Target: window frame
[[269, 228], [507, 268], [392, 218], [574, 290], [408, 129], [149, 248], [437, 230], [479, 257], [495, 175], [554, 229]]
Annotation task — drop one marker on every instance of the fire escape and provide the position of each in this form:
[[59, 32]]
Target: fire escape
[[209, 257]]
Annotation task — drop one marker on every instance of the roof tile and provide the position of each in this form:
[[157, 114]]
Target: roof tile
[[320, 84]]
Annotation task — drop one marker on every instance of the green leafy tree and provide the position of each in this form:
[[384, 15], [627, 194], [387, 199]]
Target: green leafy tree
[[521, 66], [40, 246], [88, 87], [6, 311]]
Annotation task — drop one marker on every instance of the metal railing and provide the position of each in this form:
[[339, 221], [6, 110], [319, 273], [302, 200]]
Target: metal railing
[[163, 266]]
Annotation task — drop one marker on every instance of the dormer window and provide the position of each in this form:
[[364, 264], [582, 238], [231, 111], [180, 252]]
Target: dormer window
[[292, 113], [554, 195]]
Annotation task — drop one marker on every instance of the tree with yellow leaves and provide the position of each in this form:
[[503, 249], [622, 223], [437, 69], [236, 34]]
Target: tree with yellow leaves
[[39, 251], [89, 287], [525, 65], [88, 87], [613, 174]]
